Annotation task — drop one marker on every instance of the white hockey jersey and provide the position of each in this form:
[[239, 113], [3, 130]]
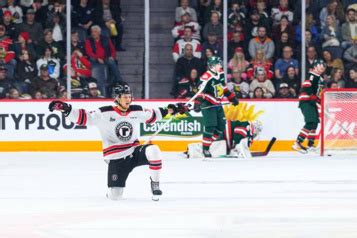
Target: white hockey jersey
[[119, 130]]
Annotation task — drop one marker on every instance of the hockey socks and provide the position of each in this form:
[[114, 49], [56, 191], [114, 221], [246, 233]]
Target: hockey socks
[[302, 135]]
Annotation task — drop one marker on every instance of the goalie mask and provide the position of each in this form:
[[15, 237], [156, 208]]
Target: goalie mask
[[257, 128]]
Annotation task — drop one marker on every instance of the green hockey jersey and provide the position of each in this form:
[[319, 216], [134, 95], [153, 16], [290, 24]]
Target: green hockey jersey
[[215, 88], [238, 130], [311, 88]]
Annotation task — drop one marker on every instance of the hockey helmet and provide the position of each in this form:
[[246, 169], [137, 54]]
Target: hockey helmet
[[257, 127], [122, 89], [213, 60], [318, 62]]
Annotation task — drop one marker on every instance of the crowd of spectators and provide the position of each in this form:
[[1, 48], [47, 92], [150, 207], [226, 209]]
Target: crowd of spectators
[[264, 48], [33, 48]]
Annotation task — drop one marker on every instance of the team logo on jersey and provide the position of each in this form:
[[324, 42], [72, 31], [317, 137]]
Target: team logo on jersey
[[218, 90], [114, 177], [124, 131]]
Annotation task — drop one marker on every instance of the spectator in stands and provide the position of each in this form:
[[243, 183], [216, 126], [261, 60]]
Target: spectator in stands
[[283, 63], [25, 71], [107, 14], [34, 29], [11, 30], [212, 43], [262, 10], [234, 43], [179, 30], [48, 86], [331, 63], [336, 77], [262, 42], [186, 63], [258, 93], [93, 91], [101, 52], [49, 42], [330, 34], [7, 54], [292, 80], [334, 8], [352, 80], [284, 92], [283, 26], [5, 83], [23, 44], [350, 55], [82, 18], [281, 44], [237, 85], [238, 62], [15, 10], [311, 55], [41, 8], [282, 10], [52, 63], [349, 28], [236, 15], [188, 87], [76, 43], [80, 66], [251, 27], [58, 28], [213, 26], [56, 8], [260, 61], [14, 94], [185, 8], [310, 26], [262, 82], [208, 53], [178, 49], [216, 7]]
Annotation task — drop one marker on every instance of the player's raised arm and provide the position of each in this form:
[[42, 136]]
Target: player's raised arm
[[78, 116]]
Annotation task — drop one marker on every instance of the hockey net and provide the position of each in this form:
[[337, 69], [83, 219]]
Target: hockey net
[[338, 122]]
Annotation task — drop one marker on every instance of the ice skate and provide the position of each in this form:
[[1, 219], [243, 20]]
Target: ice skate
[[312, 149], [297, 146], [206, 153], [155, 189]]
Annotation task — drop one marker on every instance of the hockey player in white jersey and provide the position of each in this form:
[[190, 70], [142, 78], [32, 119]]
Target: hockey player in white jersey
[[119, 127]]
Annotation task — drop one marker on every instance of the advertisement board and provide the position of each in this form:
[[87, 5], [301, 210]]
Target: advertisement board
[[29, 126]]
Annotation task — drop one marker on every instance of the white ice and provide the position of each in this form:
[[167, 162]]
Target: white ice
[[62, 195]]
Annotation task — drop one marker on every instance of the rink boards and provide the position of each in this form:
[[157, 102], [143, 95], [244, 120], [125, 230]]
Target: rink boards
[[29, 126]]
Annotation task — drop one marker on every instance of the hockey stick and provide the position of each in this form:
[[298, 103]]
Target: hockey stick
[[267, 150], [213, 106], [171, 118]]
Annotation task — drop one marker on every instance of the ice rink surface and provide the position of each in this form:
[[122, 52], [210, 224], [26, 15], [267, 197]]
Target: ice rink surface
[[62, 195]]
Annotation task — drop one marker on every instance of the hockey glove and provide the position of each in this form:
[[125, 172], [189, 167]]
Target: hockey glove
[[178, 108], [235, 101], [63, 107]]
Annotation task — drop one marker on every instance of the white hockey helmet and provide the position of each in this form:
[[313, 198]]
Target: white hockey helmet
[[257, 127]]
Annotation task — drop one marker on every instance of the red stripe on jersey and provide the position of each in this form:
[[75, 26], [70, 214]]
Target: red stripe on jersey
[[211, 99], [155, 161], [152, 119], [155, 167], [241, 130], [135, 143]]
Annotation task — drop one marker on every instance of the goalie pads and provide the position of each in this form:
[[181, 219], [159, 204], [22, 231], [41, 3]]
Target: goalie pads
[[242, 149], [217, 149]]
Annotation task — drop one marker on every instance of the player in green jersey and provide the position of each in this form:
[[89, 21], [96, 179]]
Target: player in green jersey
[[239, 136], [215, 89], [308, 102]]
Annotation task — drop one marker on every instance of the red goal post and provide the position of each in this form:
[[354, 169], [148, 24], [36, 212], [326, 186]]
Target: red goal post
[[339, 121]]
